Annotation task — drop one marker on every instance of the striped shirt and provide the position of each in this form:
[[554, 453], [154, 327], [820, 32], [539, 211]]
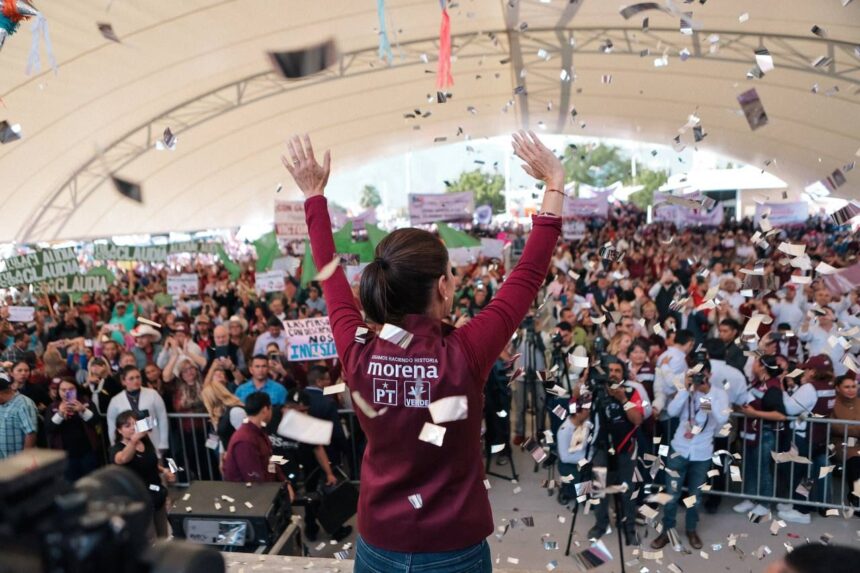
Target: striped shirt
[[17, 419]]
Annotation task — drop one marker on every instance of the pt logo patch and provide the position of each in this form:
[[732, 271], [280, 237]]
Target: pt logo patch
[[385, 391], [416, 394]]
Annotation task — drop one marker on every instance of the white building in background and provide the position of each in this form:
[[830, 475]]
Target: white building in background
[[738, 189]]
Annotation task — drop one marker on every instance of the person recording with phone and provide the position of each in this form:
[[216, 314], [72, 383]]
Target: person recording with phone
[[70, 425], [134, 449], [702, 409]]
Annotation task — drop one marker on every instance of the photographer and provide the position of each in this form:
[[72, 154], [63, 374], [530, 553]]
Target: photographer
[[561, 345], [572, 440], [617, 413], [497, 405], [702, 409]]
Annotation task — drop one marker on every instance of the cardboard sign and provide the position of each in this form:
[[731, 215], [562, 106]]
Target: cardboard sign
[[270, 281], [290, 220], [184, 284], [21, 313], [309, 339]]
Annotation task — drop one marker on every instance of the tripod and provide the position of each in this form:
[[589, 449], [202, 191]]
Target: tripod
[[618, 526], [532, 345]]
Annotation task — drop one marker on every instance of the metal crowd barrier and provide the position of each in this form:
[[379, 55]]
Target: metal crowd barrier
[[753, 459], [189, 434], [765, 456]]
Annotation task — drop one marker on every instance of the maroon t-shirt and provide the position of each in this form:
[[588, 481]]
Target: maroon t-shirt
[[248, 456], [439, 362]]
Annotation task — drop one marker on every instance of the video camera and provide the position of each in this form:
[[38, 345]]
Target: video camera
[[100, 523]]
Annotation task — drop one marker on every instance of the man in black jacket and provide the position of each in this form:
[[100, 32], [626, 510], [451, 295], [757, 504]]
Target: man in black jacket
[[728, 330], [325, 408]]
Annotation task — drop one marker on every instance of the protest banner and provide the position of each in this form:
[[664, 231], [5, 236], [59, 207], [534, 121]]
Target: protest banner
[[290, 220], [21, 313], [77, 284], [184, 284], [192, 247], [425, 208], [269, 281], [782, 214], [39, 266], [309, 339]]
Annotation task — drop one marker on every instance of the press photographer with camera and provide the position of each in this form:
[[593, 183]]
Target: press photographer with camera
[[616, 414], [530, 348], [702, 409]]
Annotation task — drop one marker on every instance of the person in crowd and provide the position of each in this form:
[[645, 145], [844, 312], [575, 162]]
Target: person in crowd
[[274, 333], [180, 344], [101, 386], [19, 351], [816, 333], [249, 450], [134, 449], [123, 318], [153, 378], [203, 331], [226, 411], [110, 352], [623, 413], [847, 407], [229, 356], [410, 285], [146, 345], [144, 402], [325, 408], [702, 409], [237, 326], [18, 419], [729, 330], [572, 441], [497, 407], [763, 415], [71, 426], [670, 365], [260, 382], [734, 383], [315, 301], [814, 398], [789, 308], [186, 389]]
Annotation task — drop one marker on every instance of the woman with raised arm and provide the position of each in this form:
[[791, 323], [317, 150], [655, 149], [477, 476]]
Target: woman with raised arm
[[423, 503]]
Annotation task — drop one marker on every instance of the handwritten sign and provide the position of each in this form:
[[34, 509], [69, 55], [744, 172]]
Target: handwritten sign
[[309, 339], [290, 220], [184, 284], [270, 281]]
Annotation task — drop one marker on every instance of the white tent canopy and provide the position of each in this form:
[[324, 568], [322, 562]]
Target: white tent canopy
[[199, 67]]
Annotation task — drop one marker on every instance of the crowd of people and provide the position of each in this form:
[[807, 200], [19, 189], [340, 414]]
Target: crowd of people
[[642, 342]]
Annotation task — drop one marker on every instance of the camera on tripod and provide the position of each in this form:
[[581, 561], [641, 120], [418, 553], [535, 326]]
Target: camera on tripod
[[100, 523]]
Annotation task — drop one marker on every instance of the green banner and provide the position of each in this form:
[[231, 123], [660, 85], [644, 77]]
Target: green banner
[[98, 279], [39, 267], [151, 253]]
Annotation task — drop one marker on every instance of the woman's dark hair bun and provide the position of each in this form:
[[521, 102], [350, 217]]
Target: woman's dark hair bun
[[400, 279]]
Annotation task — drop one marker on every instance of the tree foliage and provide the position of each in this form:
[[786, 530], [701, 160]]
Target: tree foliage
[[596, 165], [651, 180], [370, 197], [488, 188]]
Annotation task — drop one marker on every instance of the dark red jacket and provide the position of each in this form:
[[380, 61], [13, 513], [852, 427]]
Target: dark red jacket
[[248, 456], [456, 510]]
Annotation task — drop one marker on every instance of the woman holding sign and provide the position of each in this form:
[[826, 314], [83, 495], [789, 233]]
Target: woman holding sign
[[423, 501]]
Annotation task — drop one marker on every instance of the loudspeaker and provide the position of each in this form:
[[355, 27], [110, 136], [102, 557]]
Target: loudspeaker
[[231, 514]]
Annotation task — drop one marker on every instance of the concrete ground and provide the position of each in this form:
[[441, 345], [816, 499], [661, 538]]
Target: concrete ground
[[523, 548]]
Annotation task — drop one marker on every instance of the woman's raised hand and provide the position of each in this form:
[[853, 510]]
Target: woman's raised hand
[[310, 176], [541, 163]]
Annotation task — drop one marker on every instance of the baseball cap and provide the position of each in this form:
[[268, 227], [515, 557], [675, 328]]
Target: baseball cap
[[818, 362], [5, 382]]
